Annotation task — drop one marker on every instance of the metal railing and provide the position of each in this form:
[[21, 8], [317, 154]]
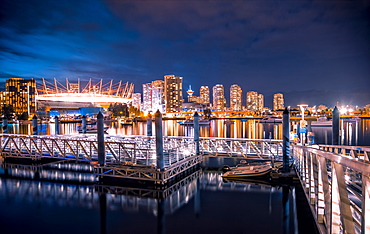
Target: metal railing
[[337, 187], [241, 147], [132, 149], [356, 152]]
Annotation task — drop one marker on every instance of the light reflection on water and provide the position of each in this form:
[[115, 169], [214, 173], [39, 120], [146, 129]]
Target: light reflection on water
[[197, 206], [352, 133]]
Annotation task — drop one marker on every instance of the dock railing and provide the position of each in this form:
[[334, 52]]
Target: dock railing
[[337, 186]]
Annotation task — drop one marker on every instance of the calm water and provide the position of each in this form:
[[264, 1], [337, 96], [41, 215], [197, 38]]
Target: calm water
[[203, 204], [352, 133]]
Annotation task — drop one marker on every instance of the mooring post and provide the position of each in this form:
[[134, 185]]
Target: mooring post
[[336, 124], [5, 125], [196, 132], [34, 125], [84, 124], [286, 137], [101, 148], [159, 140], [56, 122], [149, 125]]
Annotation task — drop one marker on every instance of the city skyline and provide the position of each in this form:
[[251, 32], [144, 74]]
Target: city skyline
[[146, 94], [293, 48]]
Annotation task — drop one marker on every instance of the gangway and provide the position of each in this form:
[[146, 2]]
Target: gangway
[[336, 180]]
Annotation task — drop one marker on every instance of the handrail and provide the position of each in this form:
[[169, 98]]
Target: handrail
[[328, 180]]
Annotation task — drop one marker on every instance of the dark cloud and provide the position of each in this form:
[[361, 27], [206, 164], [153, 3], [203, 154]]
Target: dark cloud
[[267, 46]]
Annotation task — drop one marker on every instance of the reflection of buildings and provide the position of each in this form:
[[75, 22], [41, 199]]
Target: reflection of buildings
[[278, 101], [255, 101], [173, 93], [219, 101], [235, 97], [20, 93]]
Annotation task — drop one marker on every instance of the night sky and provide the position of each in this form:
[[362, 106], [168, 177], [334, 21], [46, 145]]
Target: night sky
[[292, 47]]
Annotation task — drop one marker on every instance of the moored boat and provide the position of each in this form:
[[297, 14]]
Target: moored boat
[[322, 122], [271, 119], [248, 170], [191, 122], [91, 129], [127, 122]]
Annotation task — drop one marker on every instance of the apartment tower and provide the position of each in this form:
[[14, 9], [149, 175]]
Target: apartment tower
[[173, 93], [235, 97], [219, 101]]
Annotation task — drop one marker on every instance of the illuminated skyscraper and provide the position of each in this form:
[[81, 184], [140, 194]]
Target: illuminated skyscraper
[[204, 95], [173, 93], [157, 96], [219, 101], [235, 97], [255, 101], [278, 101], [136, 100], [261, 102], [147, 97], [20, 93]]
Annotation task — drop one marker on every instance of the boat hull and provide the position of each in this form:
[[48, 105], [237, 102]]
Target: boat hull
[[251, 171]]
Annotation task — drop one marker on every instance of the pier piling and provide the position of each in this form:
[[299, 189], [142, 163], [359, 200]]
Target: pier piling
[[84, 124], [336, 124], [56, 121], [196, 132], [34, 125], [101, 148], [286, 137], [159, 140]]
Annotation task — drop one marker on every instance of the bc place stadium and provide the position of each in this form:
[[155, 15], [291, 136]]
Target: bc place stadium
[[78, 98]]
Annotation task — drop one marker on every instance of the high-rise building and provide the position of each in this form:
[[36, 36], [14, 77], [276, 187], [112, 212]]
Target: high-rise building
[[204, 96], [20, 93], [173, 93], [278, 101], [255, 101], [157, 96], [261, 102], [147, 97], [219, 101], [236, 94], [136, 100]]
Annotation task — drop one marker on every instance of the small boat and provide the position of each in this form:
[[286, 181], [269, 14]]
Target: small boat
[[271, 119], [353, 119], [127, 122], [322, 122], [92, 129], [248, 170], [191, 122]]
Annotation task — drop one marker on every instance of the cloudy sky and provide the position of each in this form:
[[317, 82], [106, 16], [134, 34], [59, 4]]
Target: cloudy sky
[[266, 46]]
